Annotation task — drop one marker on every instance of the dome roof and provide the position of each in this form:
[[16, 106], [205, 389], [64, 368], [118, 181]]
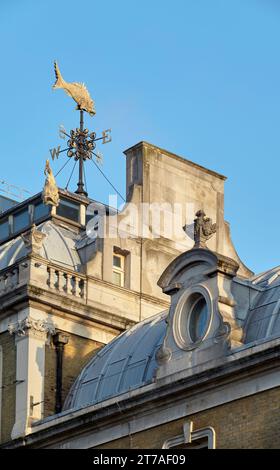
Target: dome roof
[[128, 362], [58, 246]]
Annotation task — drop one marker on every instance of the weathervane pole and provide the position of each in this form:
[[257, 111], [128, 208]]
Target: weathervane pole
[[80, 184]]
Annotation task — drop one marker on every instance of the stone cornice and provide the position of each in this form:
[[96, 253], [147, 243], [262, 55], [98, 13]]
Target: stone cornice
[[150, 298], [144, 144], [82, 313], [27, 295], [39, 260]]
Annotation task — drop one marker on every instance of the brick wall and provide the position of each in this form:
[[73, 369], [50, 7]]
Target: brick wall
[[248, 423], [9, 386], [77, 353]]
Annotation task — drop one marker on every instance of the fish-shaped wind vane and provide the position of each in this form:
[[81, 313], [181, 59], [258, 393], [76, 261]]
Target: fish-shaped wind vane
[[81, 143], [77, 91]]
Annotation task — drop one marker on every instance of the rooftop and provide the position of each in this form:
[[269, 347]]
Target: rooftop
[[20, 217], [129, 361]]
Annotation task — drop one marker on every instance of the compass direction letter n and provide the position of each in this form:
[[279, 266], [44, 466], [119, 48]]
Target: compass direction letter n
[[55, 152]]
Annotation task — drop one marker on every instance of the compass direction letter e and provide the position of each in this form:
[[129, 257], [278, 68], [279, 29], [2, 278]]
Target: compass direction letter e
[[106, 135]]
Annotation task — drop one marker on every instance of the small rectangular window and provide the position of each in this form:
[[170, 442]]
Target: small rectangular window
[[41, 210], [69, 209], [118, 269], [4, 229], [117, 261], [117, 278], [21, 220]]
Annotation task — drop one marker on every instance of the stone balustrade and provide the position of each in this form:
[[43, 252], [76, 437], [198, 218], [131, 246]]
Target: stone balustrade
[[45, 276], [66, 282]]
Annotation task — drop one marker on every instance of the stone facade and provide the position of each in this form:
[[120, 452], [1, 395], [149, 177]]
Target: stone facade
[[8, 395], [77, 353], [248, 423]]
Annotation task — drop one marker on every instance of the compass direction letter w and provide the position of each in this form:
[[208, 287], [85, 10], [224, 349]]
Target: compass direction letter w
[[55, 152]]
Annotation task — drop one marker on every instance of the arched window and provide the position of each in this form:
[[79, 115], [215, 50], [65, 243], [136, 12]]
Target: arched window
[[201, 439]]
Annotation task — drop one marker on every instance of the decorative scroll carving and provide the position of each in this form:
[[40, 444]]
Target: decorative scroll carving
[[163, 355], [22, 327]]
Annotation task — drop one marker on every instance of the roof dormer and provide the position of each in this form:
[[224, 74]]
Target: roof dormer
[[202, 322]]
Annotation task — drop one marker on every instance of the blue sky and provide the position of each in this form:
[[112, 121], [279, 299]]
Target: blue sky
[[200, 78]]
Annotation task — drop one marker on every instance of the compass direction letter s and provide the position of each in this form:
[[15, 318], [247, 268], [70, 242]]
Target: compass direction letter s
[[62, 132]]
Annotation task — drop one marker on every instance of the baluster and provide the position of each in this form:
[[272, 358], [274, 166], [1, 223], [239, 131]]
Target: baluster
[[57, 283], [58, 280], [5, 282], [13, 279], [66, 287], [82, 288], [51, 280], [9, 283], [2, 285], [75, 286], [16, 276], [68, 284]]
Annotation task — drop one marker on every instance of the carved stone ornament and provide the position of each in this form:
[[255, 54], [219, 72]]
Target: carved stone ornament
[[33, 240], [163, 355], [22, 327], [50, 193], [203, 229]]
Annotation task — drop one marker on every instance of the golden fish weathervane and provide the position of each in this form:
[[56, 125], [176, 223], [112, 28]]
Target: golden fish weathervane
[[77, 91], [82, 142]]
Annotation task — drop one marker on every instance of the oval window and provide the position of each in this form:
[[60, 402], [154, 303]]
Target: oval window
[[198, 320]]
